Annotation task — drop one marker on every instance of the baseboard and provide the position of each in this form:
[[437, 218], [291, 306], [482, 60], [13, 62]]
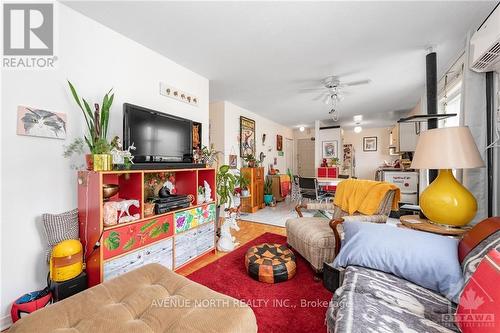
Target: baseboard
[[5, 322]]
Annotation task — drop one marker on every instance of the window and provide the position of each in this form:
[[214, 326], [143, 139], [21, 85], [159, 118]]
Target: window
[[449, 102]]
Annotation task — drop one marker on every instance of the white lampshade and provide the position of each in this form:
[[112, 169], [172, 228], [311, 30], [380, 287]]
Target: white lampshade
[[447, 148]]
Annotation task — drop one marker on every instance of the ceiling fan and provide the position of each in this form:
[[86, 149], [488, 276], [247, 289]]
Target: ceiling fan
[[332, 92]]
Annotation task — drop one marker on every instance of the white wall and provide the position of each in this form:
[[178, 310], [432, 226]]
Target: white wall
[[216, 120], [330, 134], [36, 178], [231, 129], [368, 162]]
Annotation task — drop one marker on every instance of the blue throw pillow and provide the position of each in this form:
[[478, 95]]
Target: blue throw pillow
[[426, 259]]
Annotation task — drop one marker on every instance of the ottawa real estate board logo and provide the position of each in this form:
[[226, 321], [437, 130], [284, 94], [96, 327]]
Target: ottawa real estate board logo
[[28, 35]]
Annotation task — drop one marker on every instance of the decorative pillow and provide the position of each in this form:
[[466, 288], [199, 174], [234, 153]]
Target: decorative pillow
[[478, 309], [426, 259], [474, 257], [59, 227]]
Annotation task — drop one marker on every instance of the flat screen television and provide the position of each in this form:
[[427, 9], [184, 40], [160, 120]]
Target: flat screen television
[[157, 136]]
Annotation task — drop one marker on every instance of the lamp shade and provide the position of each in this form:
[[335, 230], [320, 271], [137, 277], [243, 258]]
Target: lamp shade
[[447, 148]]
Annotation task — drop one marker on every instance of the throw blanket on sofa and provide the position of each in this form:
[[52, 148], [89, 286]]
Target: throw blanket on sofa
[[364, 196]]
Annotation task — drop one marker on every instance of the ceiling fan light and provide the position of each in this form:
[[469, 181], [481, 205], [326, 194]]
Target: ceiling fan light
[[327, 99], [358, 129]]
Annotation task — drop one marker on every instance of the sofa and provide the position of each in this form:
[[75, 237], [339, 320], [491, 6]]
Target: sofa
[[369, 300], [313, 238], [149, 299]]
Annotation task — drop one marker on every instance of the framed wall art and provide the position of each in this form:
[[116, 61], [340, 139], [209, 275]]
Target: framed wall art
[[233, 161], [279, 142], [42, 123], [247, 136], [330, 149], [370, 143]]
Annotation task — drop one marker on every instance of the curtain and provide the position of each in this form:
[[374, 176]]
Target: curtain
[[474, 115]]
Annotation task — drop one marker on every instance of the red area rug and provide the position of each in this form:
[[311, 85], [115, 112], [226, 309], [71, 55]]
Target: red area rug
[[296, 305]]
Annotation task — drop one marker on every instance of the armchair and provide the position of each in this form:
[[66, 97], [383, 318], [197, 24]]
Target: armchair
[[313, 238]]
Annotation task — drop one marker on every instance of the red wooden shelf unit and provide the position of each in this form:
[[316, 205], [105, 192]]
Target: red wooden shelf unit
[[173, 239]]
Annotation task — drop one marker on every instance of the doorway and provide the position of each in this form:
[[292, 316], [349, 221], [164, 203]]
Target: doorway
[[305, 158]]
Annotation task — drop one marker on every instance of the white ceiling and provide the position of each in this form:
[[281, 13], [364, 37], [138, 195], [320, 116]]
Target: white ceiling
[[260, 55]]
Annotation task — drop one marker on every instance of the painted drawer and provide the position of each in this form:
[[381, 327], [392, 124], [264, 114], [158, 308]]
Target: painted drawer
[[160, 253], [205, 238], [132, 236], [185, 247], [193, 243], [193, 217]]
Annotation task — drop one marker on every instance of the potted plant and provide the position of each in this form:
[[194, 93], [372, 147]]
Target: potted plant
[[97, 130], [244, 182], [251, 161], [201, 195], [226, 183], [207, 155], [268, 191]]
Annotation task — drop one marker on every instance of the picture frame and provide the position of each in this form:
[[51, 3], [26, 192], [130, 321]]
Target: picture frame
[[41, 123], [233, 161], [370, 143], [247, 136], [330, 149], [279, 142]]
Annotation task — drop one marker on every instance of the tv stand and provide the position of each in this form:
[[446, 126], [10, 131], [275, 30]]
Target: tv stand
[[166, 166]]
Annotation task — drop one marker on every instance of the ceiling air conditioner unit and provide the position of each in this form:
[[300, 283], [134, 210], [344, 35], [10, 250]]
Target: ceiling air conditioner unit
[[485, 44]]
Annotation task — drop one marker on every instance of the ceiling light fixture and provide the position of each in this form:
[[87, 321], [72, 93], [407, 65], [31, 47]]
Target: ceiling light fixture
[[357, 119], [358, 129], [327, 99], [302, 128]]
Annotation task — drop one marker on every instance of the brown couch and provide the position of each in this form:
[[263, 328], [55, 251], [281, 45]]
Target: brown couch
[[149, 299]]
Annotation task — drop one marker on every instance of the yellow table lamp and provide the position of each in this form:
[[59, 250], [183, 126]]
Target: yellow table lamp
[[445, 200]]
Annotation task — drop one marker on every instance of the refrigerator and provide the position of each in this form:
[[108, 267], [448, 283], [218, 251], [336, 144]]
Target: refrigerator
[[407, 181]]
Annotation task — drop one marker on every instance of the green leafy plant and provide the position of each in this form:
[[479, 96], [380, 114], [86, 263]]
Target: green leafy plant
[[201, 190], [268, 186], [251, 160], [226, 182], [97, 120], [243, 181], [209, 155]]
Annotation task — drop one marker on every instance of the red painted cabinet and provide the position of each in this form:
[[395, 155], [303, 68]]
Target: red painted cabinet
[[122, 247]]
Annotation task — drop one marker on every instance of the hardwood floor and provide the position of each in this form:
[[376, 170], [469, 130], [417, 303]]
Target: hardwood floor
[[248, 231]]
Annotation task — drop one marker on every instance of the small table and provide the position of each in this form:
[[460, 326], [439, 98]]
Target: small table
[[270, 263], [324, 181], [417, 223]]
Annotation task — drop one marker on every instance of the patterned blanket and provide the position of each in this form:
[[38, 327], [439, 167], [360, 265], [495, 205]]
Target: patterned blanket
[[374, 301]]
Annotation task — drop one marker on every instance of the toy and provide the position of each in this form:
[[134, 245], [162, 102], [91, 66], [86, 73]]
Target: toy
[[29, 303], [66, 260]]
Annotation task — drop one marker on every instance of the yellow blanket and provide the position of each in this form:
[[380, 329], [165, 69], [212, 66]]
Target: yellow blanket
[[363, 196]]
